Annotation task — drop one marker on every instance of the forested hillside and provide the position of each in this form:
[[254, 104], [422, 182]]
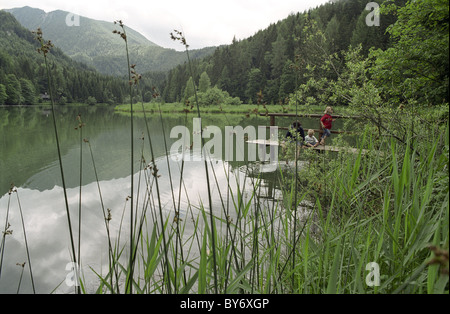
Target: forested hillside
[[23, 79], [93, 43], [307, 53], [266, 61]]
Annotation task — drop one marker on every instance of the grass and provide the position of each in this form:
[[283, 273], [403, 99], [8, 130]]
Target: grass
[[337, 214]]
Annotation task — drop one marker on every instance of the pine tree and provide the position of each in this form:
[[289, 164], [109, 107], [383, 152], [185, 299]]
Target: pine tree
[[332, 35], [204, 83], [224, 80], [189, 89], [254, 85], [287, 81]]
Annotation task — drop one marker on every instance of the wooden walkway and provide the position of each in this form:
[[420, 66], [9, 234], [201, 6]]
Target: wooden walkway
[[293, 115], [328, 148], [321, 148]]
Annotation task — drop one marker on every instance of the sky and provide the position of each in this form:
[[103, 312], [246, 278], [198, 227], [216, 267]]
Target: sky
[[204, 22]]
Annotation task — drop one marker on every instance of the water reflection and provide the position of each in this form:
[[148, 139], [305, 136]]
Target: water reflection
[[28, 158], [47, 228]]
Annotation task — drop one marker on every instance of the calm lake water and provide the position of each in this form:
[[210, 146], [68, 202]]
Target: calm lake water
[[29, 160]]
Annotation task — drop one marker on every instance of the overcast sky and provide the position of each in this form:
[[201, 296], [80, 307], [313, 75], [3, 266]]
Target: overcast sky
[[204, 22]]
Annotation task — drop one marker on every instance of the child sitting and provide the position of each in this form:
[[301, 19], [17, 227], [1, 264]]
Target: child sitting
[[311, 140]]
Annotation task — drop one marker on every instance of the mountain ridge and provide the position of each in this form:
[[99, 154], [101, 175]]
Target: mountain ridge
[[23, 78], [92, 42]]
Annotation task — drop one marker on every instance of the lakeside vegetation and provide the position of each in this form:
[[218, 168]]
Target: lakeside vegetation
[[244, 109], [338, 213]]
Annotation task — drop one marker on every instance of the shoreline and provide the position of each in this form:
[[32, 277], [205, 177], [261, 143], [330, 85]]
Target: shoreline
[[247, 109]]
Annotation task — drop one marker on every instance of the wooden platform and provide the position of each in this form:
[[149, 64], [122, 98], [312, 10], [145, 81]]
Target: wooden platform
[[338, 149], [321, 148], [265, 142]]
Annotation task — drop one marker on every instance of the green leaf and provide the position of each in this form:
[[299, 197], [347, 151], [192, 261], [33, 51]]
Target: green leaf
[[332, 282]]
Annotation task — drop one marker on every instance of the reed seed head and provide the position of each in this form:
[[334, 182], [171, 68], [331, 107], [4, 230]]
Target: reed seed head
[[45, 46], [155, 93], [121, 34], [8, 231], [179, 37], [109, 217], [135, 77], [12, 189], [440, 258]]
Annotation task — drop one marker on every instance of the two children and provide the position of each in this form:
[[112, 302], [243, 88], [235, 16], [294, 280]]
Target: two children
[[296, 133]]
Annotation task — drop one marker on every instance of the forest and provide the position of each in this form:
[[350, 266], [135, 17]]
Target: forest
[[266, 61], [262, 63], [23, 79], [270, 67]]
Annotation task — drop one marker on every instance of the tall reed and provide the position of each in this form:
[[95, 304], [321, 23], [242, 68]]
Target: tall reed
[[123, 35], [45, 48], [180, 37], [22, 219], [80, 128], [6, 231]]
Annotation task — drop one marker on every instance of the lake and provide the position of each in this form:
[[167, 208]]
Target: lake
[[29, 160]]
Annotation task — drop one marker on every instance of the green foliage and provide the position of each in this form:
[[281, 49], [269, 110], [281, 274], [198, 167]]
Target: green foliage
[[189, 90], [215, 97], [254, 85], [28, 92], [391, 90], [13, 90], [3, 95], [204, 83], [417, 65], [91, 101]]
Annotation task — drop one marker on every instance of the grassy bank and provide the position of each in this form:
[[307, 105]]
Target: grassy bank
[[153, 107]]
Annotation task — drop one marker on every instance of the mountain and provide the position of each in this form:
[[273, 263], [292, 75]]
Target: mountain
[[23, 76], [93, 43]]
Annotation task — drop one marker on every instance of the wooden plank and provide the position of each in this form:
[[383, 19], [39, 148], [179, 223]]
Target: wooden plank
[[339, 148], [327, 148], [264, 142]]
